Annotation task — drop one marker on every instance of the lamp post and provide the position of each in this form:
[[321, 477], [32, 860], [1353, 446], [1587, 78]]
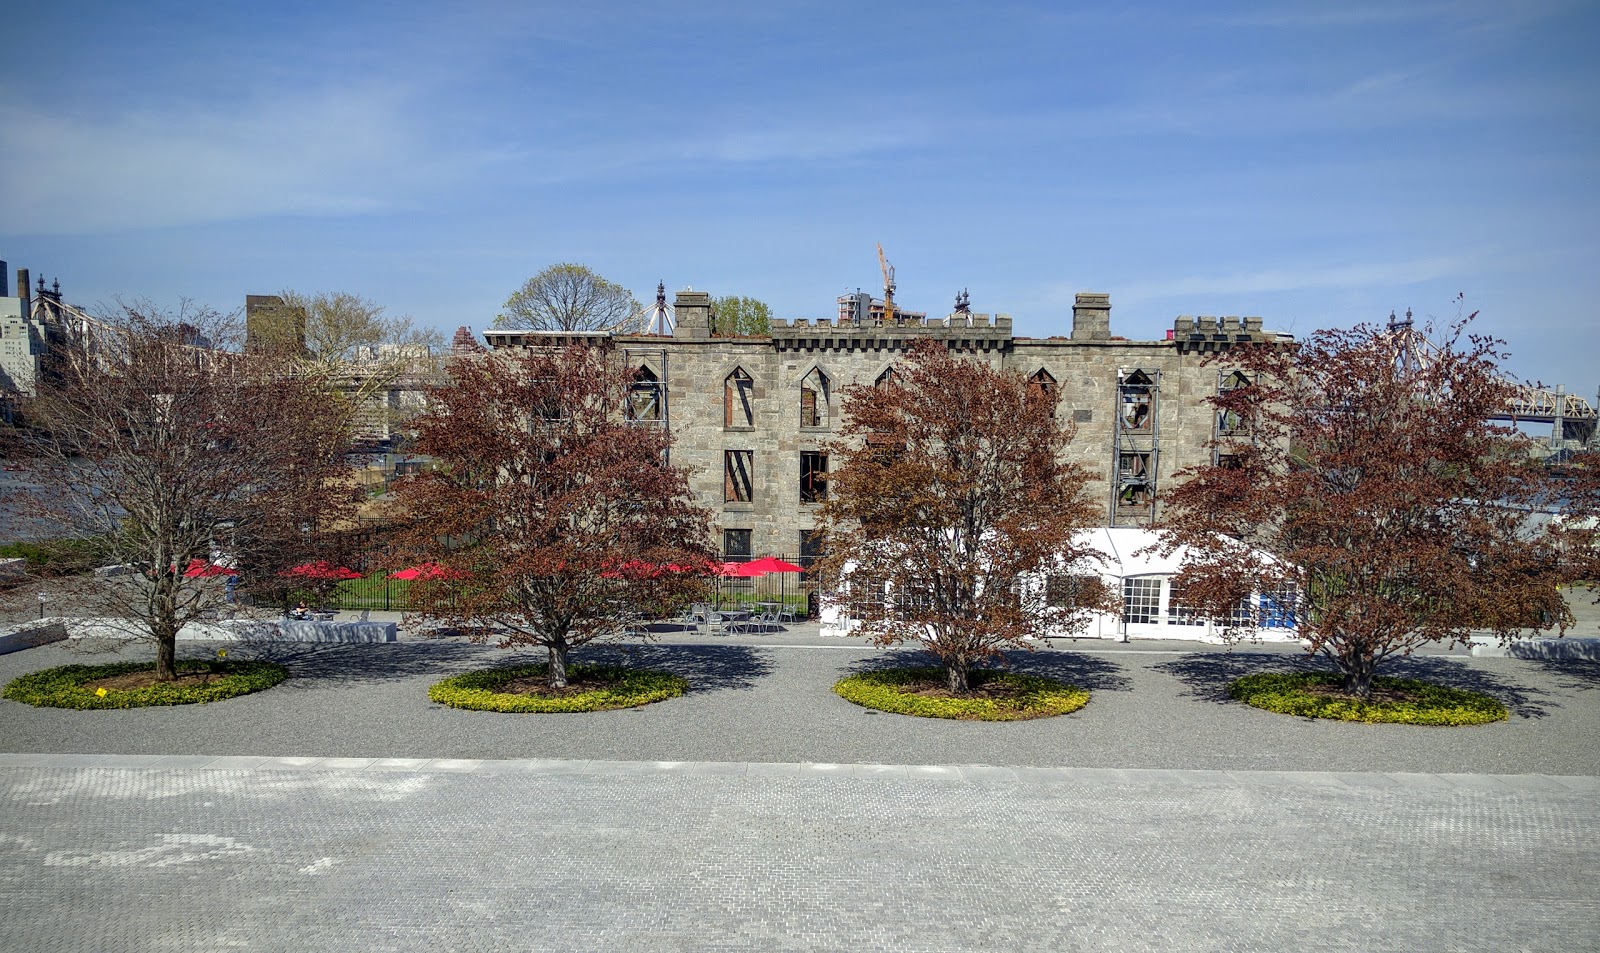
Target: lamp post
[[41, 604]]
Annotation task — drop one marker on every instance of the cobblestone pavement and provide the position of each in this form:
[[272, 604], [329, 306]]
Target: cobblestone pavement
[[138, 854]]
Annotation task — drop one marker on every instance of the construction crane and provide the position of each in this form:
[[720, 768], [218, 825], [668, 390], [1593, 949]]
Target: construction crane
[[888, 286]]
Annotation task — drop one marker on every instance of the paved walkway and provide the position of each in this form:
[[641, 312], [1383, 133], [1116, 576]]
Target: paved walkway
[[342, 810], [131, 854], [1151, 708]]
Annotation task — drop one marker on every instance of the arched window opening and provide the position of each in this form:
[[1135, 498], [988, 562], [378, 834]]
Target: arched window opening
[[814, 399], [644, 396], [738, 390], [1042, 384]]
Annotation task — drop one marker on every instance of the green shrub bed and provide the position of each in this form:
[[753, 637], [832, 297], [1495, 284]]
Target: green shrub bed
[[68, 685], [996, 696], [614, 686], [1291, 693]]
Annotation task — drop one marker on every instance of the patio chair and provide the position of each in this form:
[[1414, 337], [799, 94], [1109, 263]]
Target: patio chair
[[767, 621], [784, 614]]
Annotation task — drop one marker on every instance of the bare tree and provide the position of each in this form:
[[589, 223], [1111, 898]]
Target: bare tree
[[552, 517], [570, 297], [173, 452], [1375, 497], [342, 328], [374, 365], [953, 504]]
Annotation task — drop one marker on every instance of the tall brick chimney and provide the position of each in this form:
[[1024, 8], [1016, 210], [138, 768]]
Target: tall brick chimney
[[25, 293]]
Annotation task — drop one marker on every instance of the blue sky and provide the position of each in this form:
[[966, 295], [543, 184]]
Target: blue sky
[[1317, 164]]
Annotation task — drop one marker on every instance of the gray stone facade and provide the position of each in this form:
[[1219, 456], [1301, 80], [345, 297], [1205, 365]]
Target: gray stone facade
[[1099, 381]]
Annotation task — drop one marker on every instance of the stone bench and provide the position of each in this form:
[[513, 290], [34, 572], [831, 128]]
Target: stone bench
[[1583, 649], [28, 634], [247, 630]]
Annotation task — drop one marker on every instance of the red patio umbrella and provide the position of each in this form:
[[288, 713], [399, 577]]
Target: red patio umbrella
[[737, 571], [199, 567], [427, 571], [768, 564], [321, 569]]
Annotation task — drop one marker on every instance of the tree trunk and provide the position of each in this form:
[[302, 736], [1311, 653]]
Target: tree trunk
[[1358, 668], [166, 657], [955, 673], [558, 665]]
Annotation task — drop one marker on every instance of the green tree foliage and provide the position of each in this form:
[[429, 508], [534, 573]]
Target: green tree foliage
[[571, 297], [738, 316], [1381, 500], [953, 502]]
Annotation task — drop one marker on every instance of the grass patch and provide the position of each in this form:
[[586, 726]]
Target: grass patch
[[125, 684], [995, 696], [591, 688], [1403, 701]]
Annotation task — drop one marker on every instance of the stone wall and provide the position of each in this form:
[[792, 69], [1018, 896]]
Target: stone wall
[[1085, 368]]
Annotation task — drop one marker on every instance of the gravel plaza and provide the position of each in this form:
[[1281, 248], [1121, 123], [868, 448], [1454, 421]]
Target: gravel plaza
[[343, 810]]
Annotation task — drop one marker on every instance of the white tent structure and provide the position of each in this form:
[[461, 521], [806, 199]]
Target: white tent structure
[[1134, 569]]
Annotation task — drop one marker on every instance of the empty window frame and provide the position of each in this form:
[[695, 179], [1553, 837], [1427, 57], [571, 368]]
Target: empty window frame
[[736, 544], [814, 399], [738, 390], [1042, 384], [813, 476], [644, 396], [1135, 482], [1136, 403], [813, 545], [1231, 422], [736, 468], [1141, 599]]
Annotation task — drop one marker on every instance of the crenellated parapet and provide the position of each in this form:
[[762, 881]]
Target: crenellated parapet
[[1210, 333], [959, 331]]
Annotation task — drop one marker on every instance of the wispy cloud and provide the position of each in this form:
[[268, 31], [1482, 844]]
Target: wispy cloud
[[1309, 278], [334, 151]]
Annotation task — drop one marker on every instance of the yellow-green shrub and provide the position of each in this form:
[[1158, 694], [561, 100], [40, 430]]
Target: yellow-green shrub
[[64, 687], [623, 688], [1286, 693], [1035, 697]]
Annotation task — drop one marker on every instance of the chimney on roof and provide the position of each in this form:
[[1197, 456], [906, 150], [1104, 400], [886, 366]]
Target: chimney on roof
[[1091, 317], [25, 293]]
